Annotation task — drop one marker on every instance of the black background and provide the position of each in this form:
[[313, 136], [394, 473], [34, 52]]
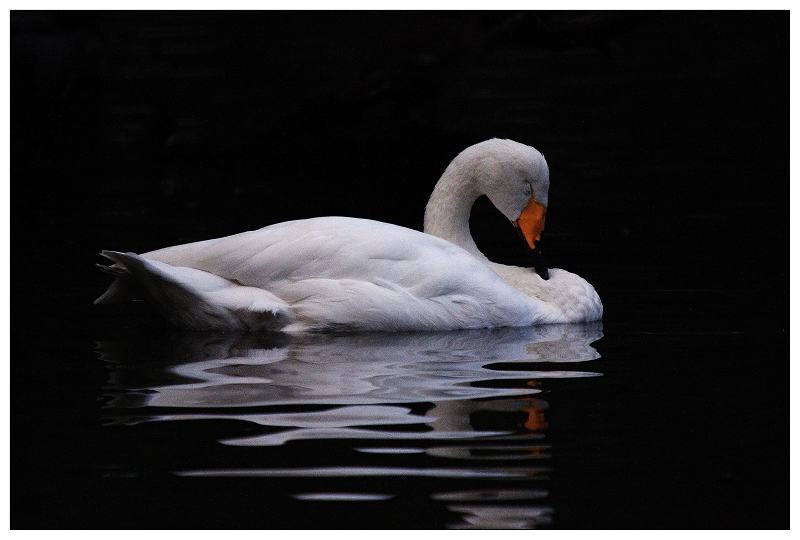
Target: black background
[[667, 136]]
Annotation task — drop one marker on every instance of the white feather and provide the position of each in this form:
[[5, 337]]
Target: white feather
[[339, 273]]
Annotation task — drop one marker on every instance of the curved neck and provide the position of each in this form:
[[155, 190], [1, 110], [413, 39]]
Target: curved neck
[[448, 209]]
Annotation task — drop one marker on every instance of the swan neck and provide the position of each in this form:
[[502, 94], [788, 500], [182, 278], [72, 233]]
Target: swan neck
[[448, 209]]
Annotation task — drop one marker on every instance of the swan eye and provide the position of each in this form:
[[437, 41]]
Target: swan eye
[[527, 189]]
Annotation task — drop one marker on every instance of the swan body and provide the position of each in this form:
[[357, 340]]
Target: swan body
[[348, 274]]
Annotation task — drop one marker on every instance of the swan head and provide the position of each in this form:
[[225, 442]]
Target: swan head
[[512, 175], [515, 177]]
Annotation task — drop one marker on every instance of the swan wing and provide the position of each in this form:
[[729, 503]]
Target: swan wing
[[348, 273]]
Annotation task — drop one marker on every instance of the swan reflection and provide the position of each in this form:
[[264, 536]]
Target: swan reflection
[[465, 404], [235, 370]]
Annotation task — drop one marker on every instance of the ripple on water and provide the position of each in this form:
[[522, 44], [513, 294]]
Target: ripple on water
[[463, 410]]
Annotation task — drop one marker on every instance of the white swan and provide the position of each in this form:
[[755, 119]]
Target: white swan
[[347, 274]]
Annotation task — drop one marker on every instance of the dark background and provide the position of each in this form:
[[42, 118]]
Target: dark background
[[667, 136]]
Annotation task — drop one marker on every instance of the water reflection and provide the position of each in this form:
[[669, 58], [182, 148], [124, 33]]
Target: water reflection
[[457, 406]]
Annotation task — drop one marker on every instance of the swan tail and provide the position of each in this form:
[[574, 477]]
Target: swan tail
[[191, 298], [123, 289]]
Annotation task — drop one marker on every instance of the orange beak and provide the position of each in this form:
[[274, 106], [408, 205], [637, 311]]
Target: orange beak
[[530, 223]]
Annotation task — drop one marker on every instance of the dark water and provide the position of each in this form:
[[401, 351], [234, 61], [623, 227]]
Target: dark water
[[667, 139]]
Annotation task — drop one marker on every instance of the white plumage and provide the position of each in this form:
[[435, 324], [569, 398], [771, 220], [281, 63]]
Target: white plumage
[[347, 274]]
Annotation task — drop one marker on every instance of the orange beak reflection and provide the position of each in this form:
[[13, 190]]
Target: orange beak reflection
[[531, 222]]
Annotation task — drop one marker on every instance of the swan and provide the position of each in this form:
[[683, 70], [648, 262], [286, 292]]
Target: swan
[[346, 274]]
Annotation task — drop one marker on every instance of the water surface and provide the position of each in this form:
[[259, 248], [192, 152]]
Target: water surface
[[465, 411]]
